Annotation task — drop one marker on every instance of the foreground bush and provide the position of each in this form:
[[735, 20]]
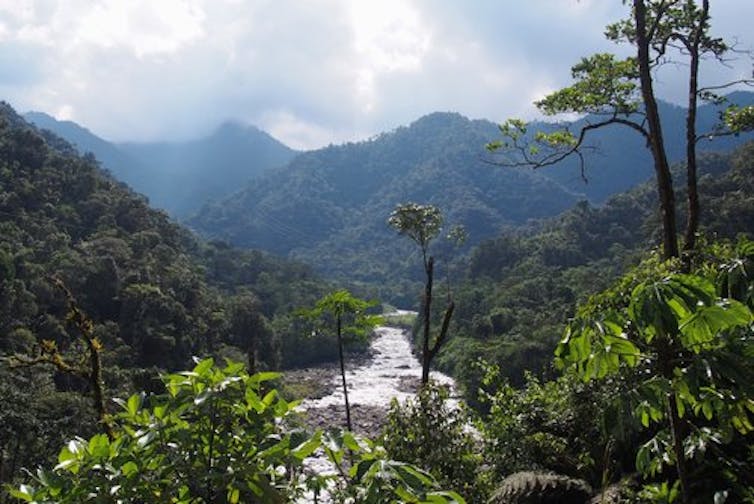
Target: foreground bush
[[436, 436], [219, 435]]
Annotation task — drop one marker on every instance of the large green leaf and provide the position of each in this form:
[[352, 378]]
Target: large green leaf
[[703, 327]]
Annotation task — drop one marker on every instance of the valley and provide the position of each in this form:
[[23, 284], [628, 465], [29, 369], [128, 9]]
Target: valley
[[150, 292]]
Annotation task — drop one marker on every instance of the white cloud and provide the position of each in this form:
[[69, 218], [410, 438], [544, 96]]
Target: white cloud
[[64, 113], [310, 71], [299, 133], [144, 27], [389, 37]]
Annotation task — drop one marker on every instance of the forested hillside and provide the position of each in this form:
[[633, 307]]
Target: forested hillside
[[329, 207], [522, 287], [588, 286], [156, 294], [122, 259], [180, 177]]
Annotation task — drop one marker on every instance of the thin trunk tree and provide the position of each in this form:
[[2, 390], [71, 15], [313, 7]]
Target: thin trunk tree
[[422, 223], [351, 320], [609, 90]]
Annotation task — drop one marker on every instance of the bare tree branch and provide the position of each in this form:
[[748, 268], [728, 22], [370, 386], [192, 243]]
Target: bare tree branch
[[528, 161]]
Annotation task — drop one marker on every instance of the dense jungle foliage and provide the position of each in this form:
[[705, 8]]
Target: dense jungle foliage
[[659, 335], [156, 294], [521, 288], [218, 434], [651, 378]]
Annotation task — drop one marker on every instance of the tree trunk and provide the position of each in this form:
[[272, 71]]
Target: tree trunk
[[96, 382], [14, 459], [657, 145], [426, 356], [677, 425], [443, 330], [676, 433], [343, 375], [251, 353], [692, 223]]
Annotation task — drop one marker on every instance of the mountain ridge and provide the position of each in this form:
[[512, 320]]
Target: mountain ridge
[[329, 207], [174, 175]]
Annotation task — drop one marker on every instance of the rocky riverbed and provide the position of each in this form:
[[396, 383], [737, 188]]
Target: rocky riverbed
[[390, 371]]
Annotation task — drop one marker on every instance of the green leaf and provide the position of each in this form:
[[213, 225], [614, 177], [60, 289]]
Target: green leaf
[[99, 446], [645, 417], [350, 442], [23, 492], [270, 397], [70, 456], [253, 400], [447, 496], [134, 403], [129, 468], [308, 447], [264, 377], [707, 410], [704, 325], [204, 366], [362, 468], [414, 477]]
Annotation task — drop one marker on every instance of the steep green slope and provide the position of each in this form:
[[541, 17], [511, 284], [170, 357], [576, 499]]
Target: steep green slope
[[329, 207], [122, 166], [155, 291], [521, 287], [180, 176], [156, 294]]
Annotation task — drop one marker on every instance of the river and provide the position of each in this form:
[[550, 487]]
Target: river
[[392, 372]]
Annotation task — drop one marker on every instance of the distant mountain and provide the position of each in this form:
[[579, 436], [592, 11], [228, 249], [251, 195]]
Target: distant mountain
[[192, 172], [180, 176], [330, 206], [117, 161]]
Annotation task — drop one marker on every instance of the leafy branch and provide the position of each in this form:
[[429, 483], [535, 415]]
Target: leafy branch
[[91, 371]]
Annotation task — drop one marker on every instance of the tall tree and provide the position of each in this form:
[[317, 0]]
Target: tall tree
[[622, 91], [348, 313], [422, 223]]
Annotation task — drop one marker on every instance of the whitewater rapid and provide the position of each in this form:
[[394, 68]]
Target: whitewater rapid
[[391, 373]]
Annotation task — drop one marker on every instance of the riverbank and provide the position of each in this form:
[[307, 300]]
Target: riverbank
[[389, 371]]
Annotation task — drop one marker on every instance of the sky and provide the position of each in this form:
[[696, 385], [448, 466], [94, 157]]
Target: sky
[[309, 72]]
